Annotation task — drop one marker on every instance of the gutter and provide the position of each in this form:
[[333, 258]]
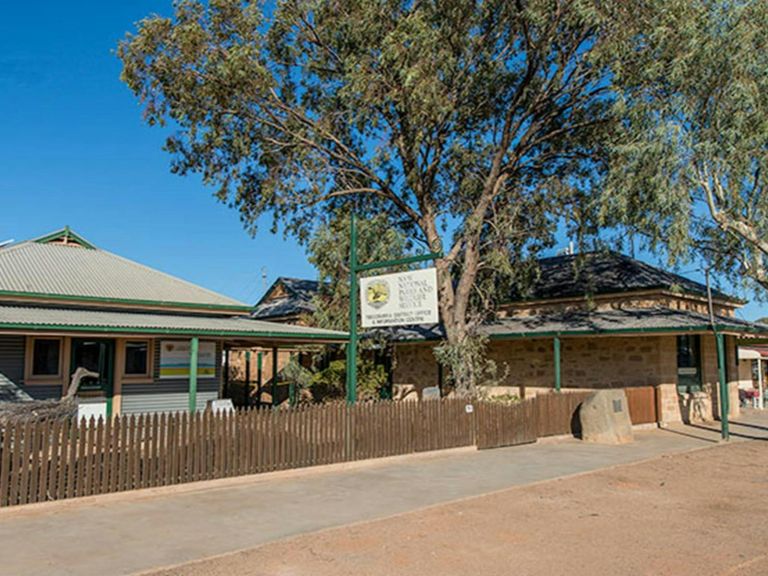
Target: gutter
[[172, 331], [32, 298]]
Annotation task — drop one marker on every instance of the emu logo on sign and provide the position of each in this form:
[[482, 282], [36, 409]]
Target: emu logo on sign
[[377, 294]]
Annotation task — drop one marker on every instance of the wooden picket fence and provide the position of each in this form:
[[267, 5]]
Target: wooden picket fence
[[557, 414], [642, 404], [54, 460], [506, 425]]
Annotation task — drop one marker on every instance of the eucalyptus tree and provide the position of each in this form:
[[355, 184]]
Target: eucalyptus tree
[[328, 251], [478, 128], [690, 167]]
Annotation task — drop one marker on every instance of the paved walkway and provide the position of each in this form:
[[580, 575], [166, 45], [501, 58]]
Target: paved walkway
[[133, 533]]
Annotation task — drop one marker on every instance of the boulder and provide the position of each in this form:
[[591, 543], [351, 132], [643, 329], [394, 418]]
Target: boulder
[[604, 417]]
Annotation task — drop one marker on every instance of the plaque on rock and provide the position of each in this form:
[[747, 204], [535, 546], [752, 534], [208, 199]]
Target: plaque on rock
[[604, 419]]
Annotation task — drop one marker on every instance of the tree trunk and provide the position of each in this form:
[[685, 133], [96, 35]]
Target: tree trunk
[[453, 303]]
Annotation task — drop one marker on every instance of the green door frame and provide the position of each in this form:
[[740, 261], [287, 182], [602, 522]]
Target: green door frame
[[106, 369], [699, 378]]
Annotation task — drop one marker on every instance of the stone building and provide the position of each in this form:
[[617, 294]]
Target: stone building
[[601, 320]]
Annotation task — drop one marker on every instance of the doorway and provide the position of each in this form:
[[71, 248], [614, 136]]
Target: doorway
[[688, 363], [96, 355]]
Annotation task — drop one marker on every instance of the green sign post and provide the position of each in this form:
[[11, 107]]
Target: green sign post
[[725, 433], [354, 270]]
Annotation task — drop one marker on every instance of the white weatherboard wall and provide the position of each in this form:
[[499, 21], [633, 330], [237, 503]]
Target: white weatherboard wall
[[399, 299]]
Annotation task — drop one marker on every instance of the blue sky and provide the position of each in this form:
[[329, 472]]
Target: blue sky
[[74, 151]]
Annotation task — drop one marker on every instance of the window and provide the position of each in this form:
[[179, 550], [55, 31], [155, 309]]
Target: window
[[46, 357], [136, 358]]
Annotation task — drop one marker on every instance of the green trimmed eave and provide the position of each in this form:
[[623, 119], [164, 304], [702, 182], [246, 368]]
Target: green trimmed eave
[[723, 297], [704, 328], [723, 328], [259, 334], [35, 296], [65, 232]]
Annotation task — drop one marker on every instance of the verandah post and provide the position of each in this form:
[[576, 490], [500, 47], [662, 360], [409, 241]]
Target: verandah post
[[259, 360], [194, 346], [247, 386], [724, 427], [226, 372], [556, 348], [273, 385]]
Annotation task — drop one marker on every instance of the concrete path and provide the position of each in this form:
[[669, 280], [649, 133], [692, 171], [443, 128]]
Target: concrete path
[[135, 532]]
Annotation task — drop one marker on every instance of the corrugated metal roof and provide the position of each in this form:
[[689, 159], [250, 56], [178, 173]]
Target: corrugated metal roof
[[60, 270], [64, 319]]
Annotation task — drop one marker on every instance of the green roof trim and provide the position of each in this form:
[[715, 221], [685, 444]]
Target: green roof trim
[[664, 330], [130, 301], [172, 331], [67, 233], [731, 329]]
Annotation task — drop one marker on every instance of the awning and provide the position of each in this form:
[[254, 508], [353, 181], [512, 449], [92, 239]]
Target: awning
[[620, 321], [64, 320]]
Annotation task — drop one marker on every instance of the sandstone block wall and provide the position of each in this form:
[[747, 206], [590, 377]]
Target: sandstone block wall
[[414, 368], [629, 300], [525, 367]]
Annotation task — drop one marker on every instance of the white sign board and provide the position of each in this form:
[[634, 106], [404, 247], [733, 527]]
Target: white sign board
[[92, 409], [221, 405], [174, 359], [399, 299]]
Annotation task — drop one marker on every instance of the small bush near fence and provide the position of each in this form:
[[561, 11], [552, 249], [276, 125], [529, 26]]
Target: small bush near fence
[[54, 459]]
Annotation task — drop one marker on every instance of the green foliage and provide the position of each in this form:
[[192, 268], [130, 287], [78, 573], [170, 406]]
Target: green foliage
[[506, 399], [467, 360], [328, 384], [328, 251], [689, 164], [296, 373], [476, 129]]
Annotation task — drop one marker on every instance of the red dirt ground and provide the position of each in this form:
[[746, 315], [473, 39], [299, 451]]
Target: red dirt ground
[[700, 513]]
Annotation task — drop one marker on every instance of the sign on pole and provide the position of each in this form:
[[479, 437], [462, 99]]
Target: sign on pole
[[399, 299]]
